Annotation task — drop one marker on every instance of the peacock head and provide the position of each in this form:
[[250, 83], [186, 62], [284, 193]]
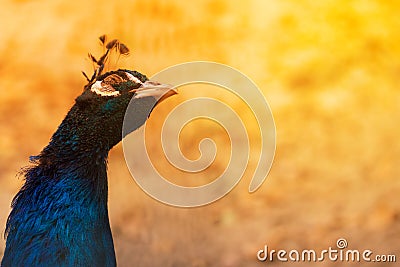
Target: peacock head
[[110, 96]]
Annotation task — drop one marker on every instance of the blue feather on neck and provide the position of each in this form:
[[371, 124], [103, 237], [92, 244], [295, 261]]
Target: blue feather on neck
[[60, 216]]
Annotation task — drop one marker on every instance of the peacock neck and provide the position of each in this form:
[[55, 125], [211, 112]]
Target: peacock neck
[[62, 210], [62, 213]]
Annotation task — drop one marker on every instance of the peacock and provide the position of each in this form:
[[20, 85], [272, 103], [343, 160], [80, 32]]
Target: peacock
[[60, 215]]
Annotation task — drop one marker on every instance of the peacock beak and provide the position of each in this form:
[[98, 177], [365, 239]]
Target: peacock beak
[[157, 90]]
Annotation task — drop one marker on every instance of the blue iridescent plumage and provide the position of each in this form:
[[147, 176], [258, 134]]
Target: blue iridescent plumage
[[60, 215]]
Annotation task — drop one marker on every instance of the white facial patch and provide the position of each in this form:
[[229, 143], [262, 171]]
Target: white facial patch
[[103, 89], [133, 78]]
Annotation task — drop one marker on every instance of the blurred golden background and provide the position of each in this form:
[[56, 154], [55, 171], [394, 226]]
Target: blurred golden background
[[330, 71]]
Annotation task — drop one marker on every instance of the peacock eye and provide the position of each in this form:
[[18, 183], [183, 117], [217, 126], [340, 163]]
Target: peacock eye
[[104, 89], [111, 85]]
